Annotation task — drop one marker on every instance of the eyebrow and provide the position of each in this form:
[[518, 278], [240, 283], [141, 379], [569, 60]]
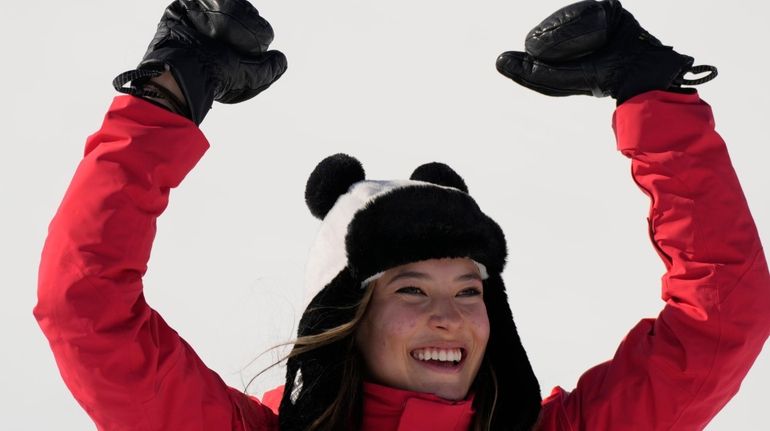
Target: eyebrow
[[423, 276]]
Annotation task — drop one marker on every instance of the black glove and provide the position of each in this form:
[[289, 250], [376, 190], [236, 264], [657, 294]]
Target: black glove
[[597, 48], [215, 49]]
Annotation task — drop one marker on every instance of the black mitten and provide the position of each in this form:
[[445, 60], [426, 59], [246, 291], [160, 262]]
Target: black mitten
[[597, 48], [215, 49]]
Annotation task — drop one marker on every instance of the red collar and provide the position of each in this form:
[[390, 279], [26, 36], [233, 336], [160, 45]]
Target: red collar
[[391, 409]]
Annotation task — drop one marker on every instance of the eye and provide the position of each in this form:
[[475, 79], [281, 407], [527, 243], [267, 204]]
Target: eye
[[411, 290], [471, 291]]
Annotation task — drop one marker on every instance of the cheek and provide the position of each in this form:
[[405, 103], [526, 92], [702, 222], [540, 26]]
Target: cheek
[[384, 338], [479, 322], [390, 330], [396, 323]]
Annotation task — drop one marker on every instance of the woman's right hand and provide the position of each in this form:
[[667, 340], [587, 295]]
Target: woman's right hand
[[215, 50]]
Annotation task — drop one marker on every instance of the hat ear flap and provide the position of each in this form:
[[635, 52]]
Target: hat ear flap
[[313, 377], [330, 179], [439, 174], [518, 400]]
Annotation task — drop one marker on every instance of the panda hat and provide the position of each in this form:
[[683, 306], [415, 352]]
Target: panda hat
[[369, 227]]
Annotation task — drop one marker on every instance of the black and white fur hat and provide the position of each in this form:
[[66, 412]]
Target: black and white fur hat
[[371, 226]]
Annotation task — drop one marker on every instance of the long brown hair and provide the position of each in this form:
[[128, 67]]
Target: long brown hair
[[348, 403]]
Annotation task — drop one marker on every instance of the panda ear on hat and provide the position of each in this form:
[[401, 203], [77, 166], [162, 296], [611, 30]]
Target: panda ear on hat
[[439, 174], [330, 179]]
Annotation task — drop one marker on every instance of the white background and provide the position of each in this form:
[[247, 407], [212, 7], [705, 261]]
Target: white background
[[395, 83]]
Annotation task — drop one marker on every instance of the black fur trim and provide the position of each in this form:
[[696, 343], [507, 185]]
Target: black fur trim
[[330, 179], [519, 399], [440, 174], [416, 223], [320, 369], [322, 313]]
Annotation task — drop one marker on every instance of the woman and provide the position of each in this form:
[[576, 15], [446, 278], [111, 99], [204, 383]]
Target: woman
[[408, 326]]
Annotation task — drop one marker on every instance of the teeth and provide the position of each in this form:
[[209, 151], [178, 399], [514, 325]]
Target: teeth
[[453, 355]]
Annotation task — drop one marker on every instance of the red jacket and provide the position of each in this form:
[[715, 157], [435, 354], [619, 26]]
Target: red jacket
[[131, 371]]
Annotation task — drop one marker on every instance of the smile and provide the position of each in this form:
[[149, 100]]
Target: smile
[[439, 358]]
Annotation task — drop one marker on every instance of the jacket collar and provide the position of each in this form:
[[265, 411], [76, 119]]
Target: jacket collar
[[391, 409]]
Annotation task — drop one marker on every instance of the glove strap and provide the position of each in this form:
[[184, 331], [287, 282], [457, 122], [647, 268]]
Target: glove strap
[[681, 80], [152, 89], [136, 77], [142, 87]]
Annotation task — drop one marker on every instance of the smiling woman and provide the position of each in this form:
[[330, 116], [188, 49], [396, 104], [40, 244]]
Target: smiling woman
[[407, 325], [426, 328], [419, 332], [406, 276]]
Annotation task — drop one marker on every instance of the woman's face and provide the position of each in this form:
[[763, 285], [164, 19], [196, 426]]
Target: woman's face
[[421, 311]]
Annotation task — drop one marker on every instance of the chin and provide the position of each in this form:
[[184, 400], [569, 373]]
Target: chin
[[448, 393]]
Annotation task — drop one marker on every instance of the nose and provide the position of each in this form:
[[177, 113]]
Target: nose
[[445, 315]]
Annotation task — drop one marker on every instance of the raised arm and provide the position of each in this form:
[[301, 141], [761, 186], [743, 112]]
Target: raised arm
[[125, 366], [679, 370]]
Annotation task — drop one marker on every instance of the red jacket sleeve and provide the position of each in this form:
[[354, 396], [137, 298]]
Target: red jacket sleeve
[[679, 370], [125, 366]]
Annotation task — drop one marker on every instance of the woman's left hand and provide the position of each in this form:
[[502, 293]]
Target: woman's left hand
[[594, 48]]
